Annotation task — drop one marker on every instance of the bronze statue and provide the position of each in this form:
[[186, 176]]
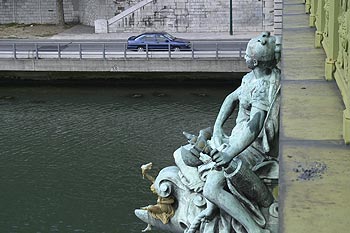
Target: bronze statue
[[224, 183]]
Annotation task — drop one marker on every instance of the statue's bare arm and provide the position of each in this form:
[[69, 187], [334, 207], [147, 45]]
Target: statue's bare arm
[[226, 110], [241, 141]]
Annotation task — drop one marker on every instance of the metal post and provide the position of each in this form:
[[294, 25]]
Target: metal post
[[217, 51], [59, 51], [125, 48], [169, 51], [80, 53], [14, 52], [231, 28], [147, 51], [36, 51], [192, 51], [104, 51], [240, 50]]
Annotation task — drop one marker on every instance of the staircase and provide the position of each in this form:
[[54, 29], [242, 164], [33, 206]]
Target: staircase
[[124, 20], [127, 17]]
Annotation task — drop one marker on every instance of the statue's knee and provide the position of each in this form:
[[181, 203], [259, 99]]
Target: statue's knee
[[214, 183], [210, 190]]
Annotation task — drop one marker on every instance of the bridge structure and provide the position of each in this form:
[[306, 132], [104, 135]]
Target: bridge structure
[[314, 191], [114, 60]]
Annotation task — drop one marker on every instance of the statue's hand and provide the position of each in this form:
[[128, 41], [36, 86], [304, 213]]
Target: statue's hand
[[222, 159]]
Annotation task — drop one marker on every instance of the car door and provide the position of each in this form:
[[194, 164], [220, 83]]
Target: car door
[[144, 41], [162, 42], [150, 40]]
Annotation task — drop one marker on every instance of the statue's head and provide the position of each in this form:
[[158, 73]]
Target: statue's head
[[264, 49]]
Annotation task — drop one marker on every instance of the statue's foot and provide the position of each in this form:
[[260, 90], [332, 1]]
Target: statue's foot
[[148, 228]]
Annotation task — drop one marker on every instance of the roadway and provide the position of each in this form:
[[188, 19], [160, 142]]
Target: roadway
[[8, 46]]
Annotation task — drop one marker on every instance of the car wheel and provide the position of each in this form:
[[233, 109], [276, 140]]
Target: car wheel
[[140, 49], [176, 49]]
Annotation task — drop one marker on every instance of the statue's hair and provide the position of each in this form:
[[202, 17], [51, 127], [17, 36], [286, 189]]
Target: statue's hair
[[264, 48]]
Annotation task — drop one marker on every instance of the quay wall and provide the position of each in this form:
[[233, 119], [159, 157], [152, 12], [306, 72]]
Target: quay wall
[[169, 15], [121, 66]]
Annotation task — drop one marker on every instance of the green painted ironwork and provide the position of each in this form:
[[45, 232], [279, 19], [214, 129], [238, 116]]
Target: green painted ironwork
[[312, 11], [332, 21], [307, 6]]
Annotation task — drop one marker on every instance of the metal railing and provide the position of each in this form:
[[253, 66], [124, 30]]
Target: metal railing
[[118, 50]]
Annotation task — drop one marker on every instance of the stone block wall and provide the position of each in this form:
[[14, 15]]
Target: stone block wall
[[71, 11], [6, 11], [36, 11], [247, 15], [196, 16], [91, 10], [167, 15]]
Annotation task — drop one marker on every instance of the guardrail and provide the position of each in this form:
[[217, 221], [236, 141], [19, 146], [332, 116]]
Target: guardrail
[[118, 50]]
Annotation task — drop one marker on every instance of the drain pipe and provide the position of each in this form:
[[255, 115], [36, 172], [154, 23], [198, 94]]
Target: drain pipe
[[231, 29], [14, 11], [41, 15]]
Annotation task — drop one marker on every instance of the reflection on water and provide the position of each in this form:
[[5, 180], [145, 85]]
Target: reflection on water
[[70, 157]]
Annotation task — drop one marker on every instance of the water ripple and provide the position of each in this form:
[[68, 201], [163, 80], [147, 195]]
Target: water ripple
[[70, 157]]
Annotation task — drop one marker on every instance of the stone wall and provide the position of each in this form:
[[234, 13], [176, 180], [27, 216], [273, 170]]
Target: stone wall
[[36, 11], [196, 16], [167, 15], [96, 9], [249, 15], [6, 11]]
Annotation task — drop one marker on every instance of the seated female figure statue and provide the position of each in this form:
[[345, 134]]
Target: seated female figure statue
[[251, 139]]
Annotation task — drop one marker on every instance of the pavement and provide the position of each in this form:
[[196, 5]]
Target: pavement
[[314, 161], [82, 32]]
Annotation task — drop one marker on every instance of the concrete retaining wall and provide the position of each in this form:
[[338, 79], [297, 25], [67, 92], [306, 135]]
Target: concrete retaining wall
[[152, 65]]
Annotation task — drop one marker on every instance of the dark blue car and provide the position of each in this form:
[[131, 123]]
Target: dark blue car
[[157, 41]]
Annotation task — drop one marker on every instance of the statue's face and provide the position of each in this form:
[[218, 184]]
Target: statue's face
[[251, 63]]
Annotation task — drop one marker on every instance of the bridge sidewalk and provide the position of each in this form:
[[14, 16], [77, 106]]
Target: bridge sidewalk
[[315, 174]]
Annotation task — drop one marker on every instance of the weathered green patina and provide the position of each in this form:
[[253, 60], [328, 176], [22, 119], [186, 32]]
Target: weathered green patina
[[225, 183]]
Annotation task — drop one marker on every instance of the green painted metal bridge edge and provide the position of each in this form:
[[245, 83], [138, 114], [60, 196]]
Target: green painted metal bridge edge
[[332, 21]]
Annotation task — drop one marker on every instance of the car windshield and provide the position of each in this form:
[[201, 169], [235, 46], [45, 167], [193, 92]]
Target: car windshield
[[146, 37], [169, 36]]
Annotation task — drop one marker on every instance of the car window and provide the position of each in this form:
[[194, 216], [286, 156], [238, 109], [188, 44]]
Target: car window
[[140, 38], [169, 36], [161, 38], [146, 38]]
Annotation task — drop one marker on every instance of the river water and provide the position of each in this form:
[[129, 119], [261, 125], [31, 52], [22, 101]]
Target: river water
[[70, 157]]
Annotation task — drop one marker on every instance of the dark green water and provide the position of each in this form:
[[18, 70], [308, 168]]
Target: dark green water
[[70, 157]]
